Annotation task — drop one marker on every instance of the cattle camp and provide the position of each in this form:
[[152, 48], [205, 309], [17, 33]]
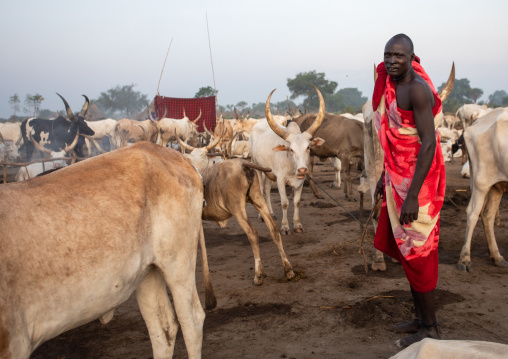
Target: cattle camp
[[255, 184]]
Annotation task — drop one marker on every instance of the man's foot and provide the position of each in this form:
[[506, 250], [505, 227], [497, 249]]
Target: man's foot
[[408, 327], [426, 331]]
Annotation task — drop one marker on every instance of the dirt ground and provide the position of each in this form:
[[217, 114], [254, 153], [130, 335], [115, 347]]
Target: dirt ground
[[335, 310]]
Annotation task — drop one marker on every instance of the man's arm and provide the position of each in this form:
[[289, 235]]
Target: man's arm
[[424, 121]]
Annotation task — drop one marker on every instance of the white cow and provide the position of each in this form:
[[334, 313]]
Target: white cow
[[488, 160], [468, 113], [185, 129], [102, 129], [129, 220], [287, 152], [9, 151], [357, 117], [11, 131]]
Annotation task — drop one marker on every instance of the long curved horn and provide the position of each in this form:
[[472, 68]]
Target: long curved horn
[[281, 132], [216, 141], [150, 114], [165, 112], [200, 113], [255, 166], [320, 116], [375, 73], [229, 152], [236, 114], [206, 129], [39, 147], [183, 144], [184, 115], [445, 92], [144, 131], [91, 139], [70, 148], [84, 110], [70, 115], [2, 138]]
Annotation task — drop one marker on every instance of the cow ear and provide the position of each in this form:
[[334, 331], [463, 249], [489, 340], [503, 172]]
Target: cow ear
[[279, 148], [316, 142]]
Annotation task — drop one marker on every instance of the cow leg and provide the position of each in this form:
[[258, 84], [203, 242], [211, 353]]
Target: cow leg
[[348, 188], [311, 182], [259, 204], [473, 211], [337, 165], [284, 202], [158, 314], [488, 218], [181, 278], [297, 195], [267, 185]]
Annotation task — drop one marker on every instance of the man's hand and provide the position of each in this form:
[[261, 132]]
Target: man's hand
[[379, 188], [409, 210]]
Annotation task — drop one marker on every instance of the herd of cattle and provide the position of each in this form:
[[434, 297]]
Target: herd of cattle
[[131, 219]]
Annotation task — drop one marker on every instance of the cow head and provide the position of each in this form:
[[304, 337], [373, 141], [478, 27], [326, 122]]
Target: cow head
[[199, 156], [298, 143], [79, 120]]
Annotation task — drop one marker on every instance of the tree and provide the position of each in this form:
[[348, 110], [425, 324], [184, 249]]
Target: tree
[[300, 86], [461, 94], [496, 99], [123, 101], [33, 104], [14, 101], [241, 105], [205, 92]]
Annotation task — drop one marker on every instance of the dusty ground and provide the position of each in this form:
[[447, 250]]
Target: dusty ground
[[335, 310]]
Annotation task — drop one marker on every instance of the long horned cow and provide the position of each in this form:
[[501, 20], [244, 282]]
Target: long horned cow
[[55, 134], [184, 128], [287, 152]]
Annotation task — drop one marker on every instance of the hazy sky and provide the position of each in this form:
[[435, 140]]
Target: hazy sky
[[88, 47]]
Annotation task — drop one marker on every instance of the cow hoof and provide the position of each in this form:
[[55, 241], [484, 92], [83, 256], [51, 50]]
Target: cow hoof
[[351, 199], [298, 230], [381, 267], [290, 274], [285, 232], [258, 280], [319, 196], [334, 186], [465, 266], [502, 263]]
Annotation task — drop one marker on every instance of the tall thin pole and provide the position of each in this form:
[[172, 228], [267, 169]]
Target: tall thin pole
[[211, 60], [163, 66]]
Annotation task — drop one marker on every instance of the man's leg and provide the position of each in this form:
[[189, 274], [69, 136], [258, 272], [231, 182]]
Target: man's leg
[[414, 325], [429, 322]]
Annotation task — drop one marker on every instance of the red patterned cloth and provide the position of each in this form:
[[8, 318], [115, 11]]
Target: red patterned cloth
[[175, 108], [416, 242]]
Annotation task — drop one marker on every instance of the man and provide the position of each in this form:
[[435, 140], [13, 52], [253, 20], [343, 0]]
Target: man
[[413, 183]]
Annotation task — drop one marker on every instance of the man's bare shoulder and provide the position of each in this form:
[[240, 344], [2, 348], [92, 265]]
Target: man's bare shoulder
[[420, 93]]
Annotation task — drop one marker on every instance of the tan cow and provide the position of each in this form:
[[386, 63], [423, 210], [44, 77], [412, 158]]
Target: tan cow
[[229, 185], [129, 220], [127, 130], [488, 161]]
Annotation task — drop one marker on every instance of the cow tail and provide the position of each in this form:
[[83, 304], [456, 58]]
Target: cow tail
[[210, 299]]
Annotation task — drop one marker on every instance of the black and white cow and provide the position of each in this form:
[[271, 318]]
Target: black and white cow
[[55, 134]]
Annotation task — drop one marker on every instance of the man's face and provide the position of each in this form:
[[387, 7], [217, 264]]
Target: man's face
[[397, 58]]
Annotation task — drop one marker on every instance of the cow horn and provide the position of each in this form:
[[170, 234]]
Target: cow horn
[[229, 152], [216, 141], [150, 114], [445, 92], [375, 73], [91, 139], [70, 148], [84, 110], [165, 112], [70, 115], [281, 132], [206, 129], [255, 166], [200, 113], [38, 146], [2, 138], [320, 116], [184, 115], [236, 114], [144, 131], [183, 144]]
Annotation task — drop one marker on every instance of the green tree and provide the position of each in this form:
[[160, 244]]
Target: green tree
[[496, 99], [300, 86], [461, 94], [14, 101], [242, 105], [205, 92], [33, 104], [122, 101]]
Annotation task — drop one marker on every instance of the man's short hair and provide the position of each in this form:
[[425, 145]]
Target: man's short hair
[[405, 38]]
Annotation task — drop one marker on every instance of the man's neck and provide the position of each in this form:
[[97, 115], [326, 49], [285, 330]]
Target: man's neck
[[405, 78]]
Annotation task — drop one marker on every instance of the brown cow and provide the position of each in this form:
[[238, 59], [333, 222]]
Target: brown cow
[[343, 140], [133, 131], [125, 221], [229, 185]]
